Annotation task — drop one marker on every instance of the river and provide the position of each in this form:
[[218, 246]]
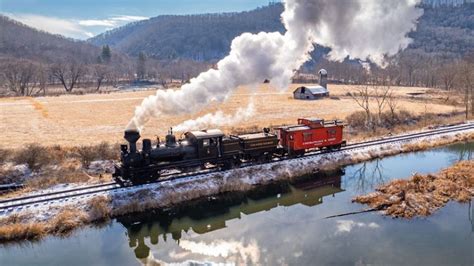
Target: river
[[279, 224]]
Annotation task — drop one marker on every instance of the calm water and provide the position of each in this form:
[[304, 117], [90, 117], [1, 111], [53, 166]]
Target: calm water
[[279, 224]]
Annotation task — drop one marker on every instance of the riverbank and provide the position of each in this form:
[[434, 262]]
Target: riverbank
[[40, 221], [422, 195]]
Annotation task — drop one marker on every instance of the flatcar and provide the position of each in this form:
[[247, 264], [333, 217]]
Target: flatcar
[[201, 149]]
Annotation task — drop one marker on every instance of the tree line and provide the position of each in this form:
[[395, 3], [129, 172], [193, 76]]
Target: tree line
[[25, 77]]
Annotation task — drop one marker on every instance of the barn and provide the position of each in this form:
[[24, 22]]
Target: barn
[[313, 92], [310, 92]]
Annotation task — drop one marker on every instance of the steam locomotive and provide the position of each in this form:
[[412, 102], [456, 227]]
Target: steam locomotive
[[205, 148]]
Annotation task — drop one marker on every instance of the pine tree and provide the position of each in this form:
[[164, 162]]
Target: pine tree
[[141, 66], [106, 54]]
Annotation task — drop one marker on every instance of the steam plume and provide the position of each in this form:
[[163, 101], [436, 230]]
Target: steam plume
[[217, 119], [364, 29]]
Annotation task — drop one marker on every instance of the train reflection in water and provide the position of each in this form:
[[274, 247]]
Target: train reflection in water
[[205, 215]]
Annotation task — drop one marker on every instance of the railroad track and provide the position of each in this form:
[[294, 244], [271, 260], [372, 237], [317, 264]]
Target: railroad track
[[30, 201]]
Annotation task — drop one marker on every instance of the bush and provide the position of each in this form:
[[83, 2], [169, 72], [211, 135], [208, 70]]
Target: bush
[[99, 208], [357, 119], [87, 154], [105, 151], [102, 151], [54, 177], [33, 155], [4, 156]]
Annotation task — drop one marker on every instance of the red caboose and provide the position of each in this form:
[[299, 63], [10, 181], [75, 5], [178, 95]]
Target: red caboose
[[311, 134]]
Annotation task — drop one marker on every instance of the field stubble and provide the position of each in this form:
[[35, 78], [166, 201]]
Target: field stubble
[[73, 120]]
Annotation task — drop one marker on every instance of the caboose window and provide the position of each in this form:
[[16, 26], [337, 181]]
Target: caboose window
[[332, 132], [307, 136]]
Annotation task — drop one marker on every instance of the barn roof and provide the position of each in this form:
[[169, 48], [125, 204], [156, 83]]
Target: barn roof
[[316, 89]]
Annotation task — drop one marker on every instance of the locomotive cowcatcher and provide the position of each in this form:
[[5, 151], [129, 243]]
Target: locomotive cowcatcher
[[200, 149]]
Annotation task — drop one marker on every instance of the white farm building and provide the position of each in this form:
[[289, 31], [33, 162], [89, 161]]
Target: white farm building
[[313, 92]]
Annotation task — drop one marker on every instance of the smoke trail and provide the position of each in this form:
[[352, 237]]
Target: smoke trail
[[364, 29], [217, 119]]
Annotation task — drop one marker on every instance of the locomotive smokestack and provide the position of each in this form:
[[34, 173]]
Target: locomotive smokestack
[[323, 78], [132, 137]]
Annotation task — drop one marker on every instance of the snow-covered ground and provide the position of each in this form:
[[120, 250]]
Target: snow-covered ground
[[171, 192]]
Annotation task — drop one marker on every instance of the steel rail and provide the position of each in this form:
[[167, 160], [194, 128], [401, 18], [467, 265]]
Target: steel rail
[[9, 204]]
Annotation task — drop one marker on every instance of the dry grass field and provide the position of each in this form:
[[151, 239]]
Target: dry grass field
[[72, 120]]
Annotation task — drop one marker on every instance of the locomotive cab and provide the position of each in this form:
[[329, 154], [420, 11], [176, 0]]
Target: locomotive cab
[[207, 143]]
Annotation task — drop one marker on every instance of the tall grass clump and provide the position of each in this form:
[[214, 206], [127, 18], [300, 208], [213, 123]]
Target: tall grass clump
[[102, 151], [33, 155]]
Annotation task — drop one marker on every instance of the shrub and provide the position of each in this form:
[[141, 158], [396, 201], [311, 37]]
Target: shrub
[[4, 155], [357, 119], [105, 151], [54, 177], [66, 221], [99, 208], [102, 151], [33, 155]]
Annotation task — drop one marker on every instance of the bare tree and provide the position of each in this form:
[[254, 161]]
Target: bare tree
[[392, 103], [466, 78], [381, 93], [43, 76], [20, 77], [68, 74], [447, 75], [361, 97], [101, 73]]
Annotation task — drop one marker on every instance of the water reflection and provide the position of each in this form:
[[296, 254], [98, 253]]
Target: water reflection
[[368, 175], [461, 151], [471, 215], [275, 226], [211, 214]]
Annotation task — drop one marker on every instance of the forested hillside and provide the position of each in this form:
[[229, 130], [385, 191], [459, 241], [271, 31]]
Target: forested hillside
[[442, 30], [198, 37], [22, 42]]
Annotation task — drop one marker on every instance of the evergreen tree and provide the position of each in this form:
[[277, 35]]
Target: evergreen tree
[[141, 66], [106, 54]]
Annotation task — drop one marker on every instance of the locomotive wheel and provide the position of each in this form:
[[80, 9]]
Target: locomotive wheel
[[227, 165]]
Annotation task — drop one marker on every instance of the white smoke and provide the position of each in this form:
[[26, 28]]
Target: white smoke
[[217, 119], [364, 29]]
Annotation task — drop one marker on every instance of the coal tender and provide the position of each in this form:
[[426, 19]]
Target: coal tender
[[197, 149]]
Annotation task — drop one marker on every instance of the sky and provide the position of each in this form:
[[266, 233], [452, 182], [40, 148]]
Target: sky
[[82, 19]]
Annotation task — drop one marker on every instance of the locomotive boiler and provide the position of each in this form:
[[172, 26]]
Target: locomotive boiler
[[195, 149]]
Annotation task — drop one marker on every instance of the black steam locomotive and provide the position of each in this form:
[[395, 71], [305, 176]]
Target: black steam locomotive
[[196, 149]]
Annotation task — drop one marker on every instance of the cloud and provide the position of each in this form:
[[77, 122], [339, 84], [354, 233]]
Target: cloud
[[346, 226], [73, 28], [95, 22], [230, 250], [110, 22], [65, 27], [129, 18]]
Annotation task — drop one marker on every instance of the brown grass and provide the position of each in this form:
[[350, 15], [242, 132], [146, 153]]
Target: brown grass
[[421, 195], [99, 208], [102, 208], [54, 177], [22, 227], [56, 164], [424, 145], [94, 118], [66, 221]]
